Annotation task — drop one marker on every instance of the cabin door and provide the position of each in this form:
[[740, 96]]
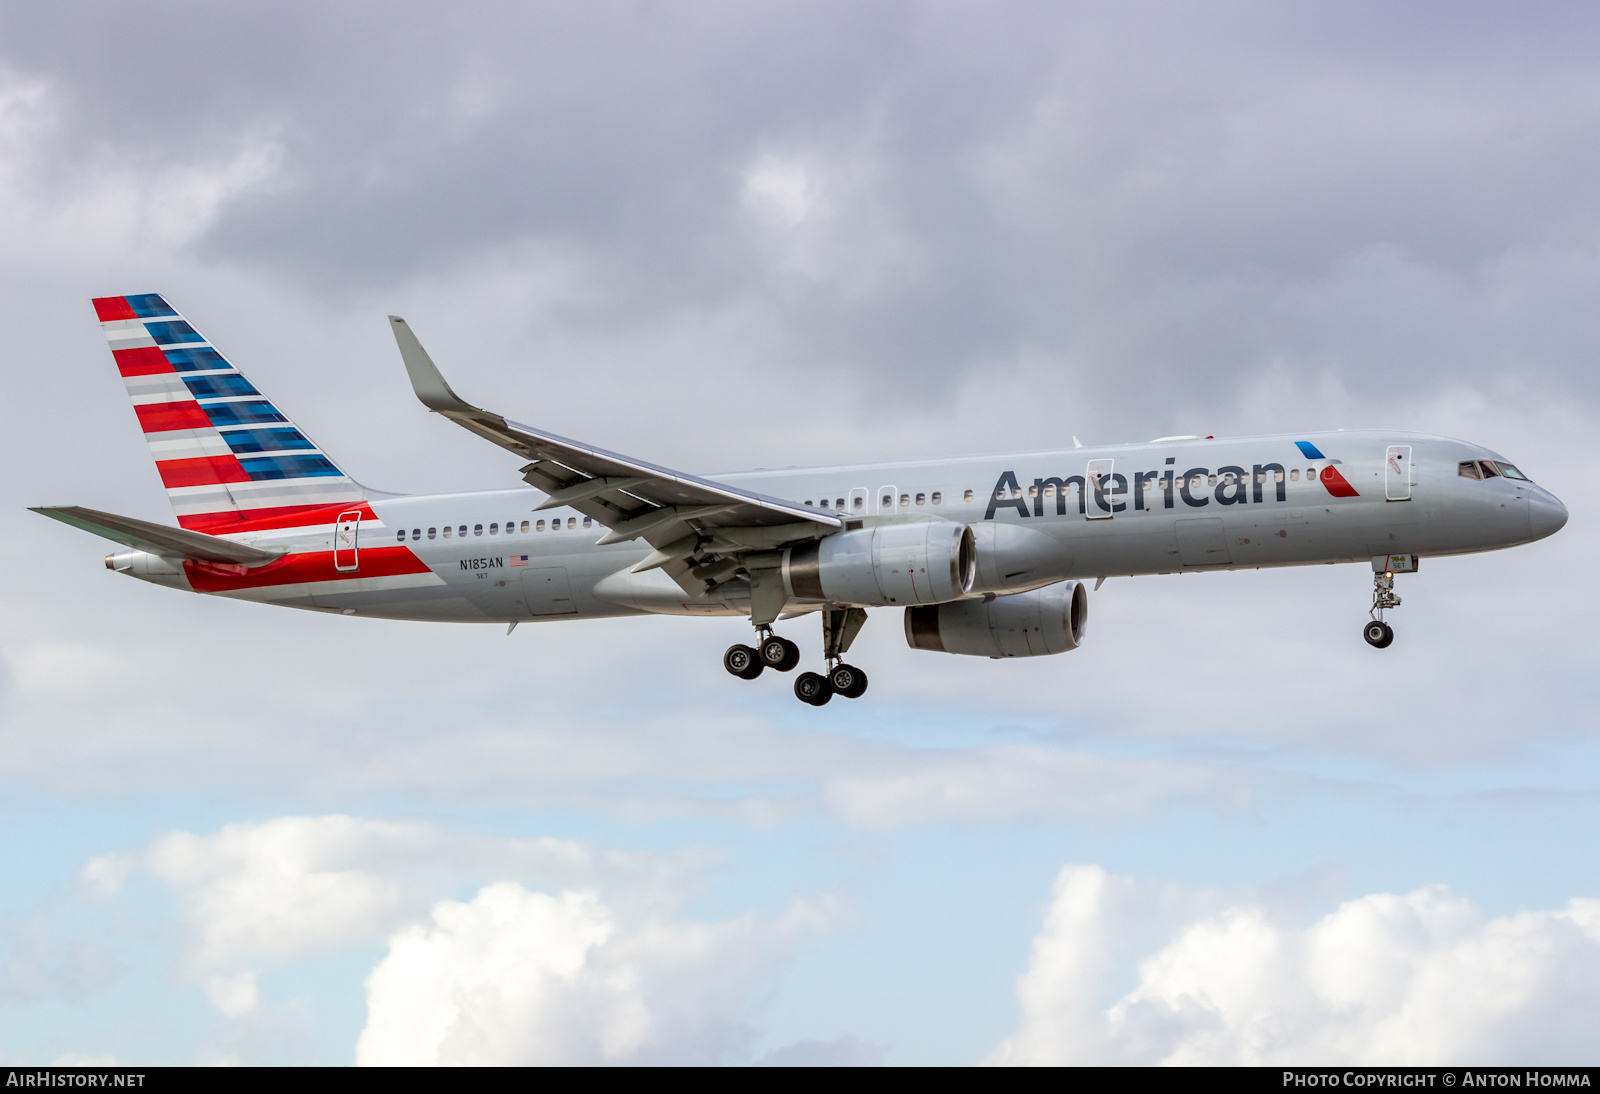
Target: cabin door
[[1397, 477], [344, 542], [1097, 484]]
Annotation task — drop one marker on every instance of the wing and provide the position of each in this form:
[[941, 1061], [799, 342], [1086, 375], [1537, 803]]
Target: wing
[[159, 539], [696, 525]]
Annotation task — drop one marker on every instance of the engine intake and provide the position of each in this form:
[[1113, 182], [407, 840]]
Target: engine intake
[[1048, 620], [924, 562]]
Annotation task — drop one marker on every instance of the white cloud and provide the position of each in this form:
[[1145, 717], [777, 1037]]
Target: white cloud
[[258, 894], [520, 977], [602, 972], [1423, 978]]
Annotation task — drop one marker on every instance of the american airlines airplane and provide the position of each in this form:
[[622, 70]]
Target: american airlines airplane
[[986, 555]]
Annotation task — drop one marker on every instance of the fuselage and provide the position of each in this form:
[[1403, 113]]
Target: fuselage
[[1039, 517]]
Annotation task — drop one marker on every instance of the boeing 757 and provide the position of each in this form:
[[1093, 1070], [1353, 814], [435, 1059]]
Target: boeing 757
[[985, 556]]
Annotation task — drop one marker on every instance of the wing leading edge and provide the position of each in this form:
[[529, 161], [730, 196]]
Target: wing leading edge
[[697, 526]]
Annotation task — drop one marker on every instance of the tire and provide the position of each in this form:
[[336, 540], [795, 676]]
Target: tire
[[779, 653], [793, 660], [742, 662], [1378, 635], [813, 689], [848, 681]]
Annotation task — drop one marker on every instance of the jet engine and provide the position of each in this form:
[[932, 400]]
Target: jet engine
[[1048, 620], [923, 562]]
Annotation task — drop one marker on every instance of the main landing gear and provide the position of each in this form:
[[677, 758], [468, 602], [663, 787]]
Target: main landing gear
[[839, 629], [772, 652]]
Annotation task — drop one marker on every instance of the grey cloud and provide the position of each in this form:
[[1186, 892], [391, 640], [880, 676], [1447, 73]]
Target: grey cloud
[[1145, 194]]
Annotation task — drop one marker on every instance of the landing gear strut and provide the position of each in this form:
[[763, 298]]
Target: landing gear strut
[[1378, 633], [839, 628]]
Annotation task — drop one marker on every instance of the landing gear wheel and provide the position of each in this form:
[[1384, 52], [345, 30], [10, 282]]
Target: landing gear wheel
[[848, 681], [813, 689], [1378, 634], [779, 653], [742, 662]]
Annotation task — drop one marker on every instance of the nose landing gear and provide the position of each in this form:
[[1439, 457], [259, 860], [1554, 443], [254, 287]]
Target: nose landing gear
[[1378, 633]]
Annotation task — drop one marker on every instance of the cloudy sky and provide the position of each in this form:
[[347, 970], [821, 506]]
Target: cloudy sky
[[719, 236]]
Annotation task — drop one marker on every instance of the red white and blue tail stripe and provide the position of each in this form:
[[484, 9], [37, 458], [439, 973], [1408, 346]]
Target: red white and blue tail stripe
[[229, 458]]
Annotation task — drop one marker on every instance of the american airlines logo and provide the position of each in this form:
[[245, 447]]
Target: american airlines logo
[[1113, 492]]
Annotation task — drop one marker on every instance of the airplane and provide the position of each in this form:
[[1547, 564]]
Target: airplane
[[986, 556]]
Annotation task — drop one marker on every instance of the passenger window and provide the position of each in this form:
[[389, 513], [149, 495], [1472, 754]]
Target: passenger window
[[462, 530], [922, 499], [1294, 476], [1277, 476], [539, 526], [447, 531], [494, 529], [905, 500], [861, 503], [572, 522], [416, 534], [1468, 469], [401, 536], [1311, 473], [824, 503], [524, 527], [477, 529], [967, 496], [936, 497], [888, 501], [433, 533], [1489, 471], [1050, 491], [1033, 491], [1211, 480], [588, 522]]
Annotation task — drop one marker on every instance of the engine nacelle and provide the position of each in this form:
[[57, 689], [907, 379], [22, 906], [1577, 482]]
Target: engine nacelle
[[1049, 620], [1015, 559], [923, 562]]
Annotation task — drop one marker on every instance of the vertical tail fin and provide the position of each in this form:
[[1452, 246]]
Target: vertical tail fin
[[227, 456]]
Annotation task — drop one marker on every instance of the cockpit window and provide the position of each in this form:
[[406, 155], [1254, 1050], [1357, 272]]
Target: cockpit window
[[1488, 469], [1468, 469], [1510, 472]]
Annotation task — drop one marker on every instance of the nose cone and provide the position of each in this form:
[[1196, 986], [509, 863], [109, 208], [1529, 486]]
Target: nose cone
[[1546, 514]]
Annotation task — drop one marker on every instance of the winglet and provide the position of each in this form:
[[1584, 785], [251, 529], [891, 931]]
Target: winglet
[[426, 379]]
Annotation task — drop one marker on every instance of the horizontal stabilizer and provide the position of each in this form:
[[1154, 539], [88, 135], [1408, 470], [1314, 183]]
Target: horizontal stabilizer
[[158, 539]]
